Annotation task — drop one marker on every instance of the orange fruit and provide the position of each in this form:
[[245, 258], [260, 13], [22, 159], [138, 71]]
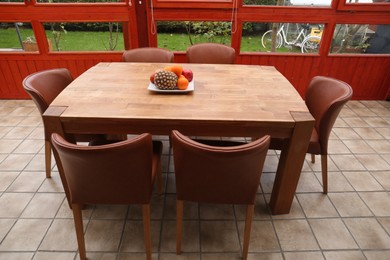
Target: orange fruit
[[177, 69], [168, 68], [182, 83]]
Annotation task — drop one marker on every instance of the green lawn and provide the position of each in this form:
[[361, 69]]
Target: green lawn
[[99, 41]]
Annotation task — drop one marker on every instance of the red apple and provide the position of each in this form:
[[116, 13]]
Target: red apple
[[188, 74], [152, 77]]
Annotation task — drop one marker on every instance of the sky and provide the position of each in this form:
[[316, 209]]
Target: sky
[[320, 2]]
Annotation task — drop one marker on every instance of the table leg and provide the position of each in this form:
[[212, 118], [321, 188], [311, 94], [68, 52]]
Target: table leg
[[290, 164], [52, 124]]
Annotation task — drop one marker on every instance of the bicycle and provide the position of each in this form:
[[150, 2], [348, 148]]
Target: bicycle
[[308, 43]]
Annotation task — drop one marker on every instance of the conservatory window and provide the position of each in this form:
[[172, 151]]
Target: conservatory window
[[281, 37]]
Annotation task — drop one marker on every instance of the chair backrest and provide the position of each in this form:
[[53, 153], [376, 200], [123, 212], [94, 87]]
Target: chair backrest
[[148, 54], [117, 173], [217, 174], [210, 53], [325, 98], [44, 86]]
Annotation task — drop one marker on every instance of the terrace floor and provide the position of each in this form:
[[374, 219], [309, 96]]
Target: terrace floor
[[351, 222]]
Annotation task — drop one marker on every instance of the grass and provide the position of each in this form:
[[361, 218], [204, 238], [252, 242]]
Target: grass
[[98, 41]]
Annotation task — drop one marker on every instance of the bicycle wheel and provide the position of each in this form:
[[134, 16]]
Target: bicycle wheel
[[310, 44], [266, 40]]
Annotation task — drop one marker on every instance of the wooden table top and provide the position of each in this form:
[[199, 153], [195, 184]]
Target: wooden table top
[[231, 94]]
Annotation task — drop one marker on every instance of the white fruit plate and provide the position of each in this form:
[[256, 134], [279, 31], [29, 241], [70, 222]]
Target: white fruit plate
[[190, 88]]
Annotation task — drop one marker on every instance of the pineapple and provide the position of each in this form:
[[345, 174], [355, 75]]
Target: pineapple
[[166, 80]]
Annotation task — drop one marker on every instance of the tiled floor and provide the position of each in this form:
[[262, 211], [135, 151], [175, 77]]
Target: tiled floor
[[351, 222]]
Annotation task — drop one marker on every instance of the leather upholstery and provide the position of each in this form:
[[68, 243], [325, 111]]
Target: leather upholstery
[[217, 174], [210, 53], [116, 173], [43, 87], [325, 97], [148, 54]]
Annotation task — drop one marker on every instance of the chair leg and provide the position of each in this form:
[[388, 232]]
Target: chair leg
[[313, 158], [147, 236], [324, 168], [78, 222], [179, 225], [247, 231], [48, 158]]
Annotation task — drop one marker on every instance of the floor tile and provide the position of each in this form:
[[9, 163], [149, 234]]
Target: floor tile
[[344, 255], [61, 236], [133, 236], [373, 162], [368, 233], [351, 222], [15, 162], [332, 234], [295, 235], [349, 204], [219, 236], [362, 181], [263, 236], [316, 205], [6, 179], [16, 256], [304, 255], [347, 162], [12, 204], [378, 202], [43, 205], [20, 240], [190, 237], [27, 182], [54, 255]]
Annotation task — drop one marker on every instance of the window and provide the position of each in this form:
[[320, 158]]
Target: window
[[99, 36], [361, 38], [281, 37], [316, 3], [178, 36], [17, 36]]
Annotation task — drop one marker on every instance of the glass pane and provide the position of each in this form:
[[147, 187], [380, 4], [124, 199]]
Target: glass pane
[[13, 1], [178, 36], [361, 38], [367, 1], [78, 1], [281, 37], [289, 2], [17, 37], [106, 36]]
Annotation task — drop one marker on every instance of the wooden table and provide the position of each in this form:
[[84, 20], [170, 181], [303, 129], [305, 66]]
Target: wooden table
[[229, 100]]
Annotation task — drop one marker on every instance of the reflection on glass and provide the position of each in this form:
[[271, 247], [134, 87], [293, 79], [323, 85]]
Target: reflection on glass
[[361, 38], [281, 37], [179, 35], [17, 37], [289, 2], [99, 36], [367, 1]]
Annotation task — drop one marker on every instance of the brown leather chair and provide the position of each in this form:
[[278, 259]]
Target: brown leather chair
[[117, 173], [43, 87], [325, 97], [211, 53], [148, 54], [211, 174]]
